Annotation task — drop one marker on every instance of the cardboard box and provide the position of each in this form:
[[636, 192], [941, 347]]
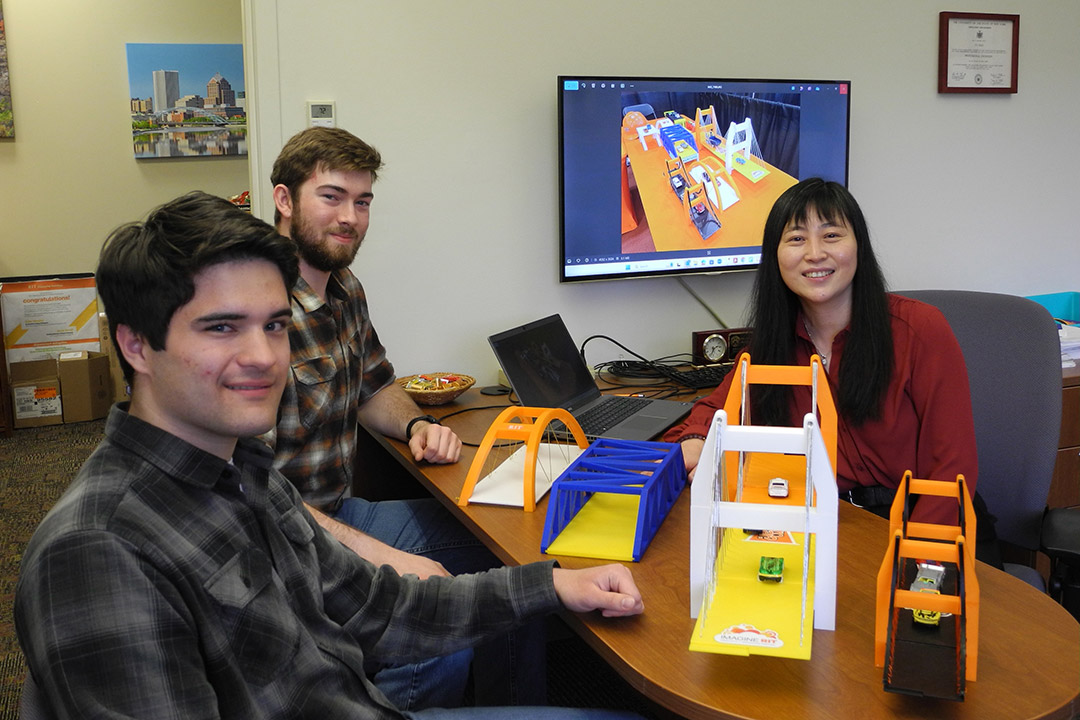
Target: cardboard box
[[35, 393], [85, 385], [74, 387]]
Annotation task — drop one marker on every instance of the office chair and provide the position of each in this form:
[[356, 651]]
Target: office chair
[[644, 108], [1013, 359], [1061, 542]]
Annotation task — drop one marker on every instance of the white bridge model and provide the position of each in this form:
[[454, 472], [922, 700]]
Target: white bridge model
[[724, 461]]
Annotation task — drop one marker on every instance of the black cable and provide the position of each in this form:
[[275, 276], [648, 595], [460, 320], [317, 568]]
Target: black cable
[[611, 340], [462, 411], [642, 368]]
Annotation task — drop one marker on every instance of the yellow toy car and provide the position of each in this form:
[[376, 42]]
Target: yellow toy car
[[928, 579]]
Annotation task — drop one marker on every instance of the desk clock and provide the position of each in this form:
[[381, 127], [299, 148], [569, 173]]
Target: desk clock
[[709, 347]]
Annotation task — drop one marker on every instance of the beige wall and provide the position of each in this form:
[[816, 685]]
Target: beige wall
[[961, 191], [69, 177]]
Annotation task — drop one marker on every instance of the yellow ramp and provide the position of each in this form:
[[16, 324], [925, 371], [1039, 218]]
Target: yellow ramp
[[748, 615], [604, 528]]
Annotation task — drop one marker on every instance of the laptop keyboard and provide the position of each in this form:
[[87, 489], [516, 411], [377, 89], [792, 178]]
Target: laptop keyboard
[[605, 415], [698, 378]]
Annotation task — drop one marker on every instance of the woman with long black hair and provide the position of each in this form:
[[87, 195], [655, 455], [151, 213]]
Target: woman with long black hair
[[893, 365]]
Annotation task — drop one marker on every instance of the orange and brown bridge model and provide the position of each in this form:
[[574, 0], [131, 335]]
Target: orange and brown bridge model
[[931, 660]]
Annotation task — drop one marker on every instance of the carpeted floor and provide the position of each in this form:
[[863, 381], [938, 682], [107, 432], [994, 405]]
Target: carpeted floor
[[36, 466]]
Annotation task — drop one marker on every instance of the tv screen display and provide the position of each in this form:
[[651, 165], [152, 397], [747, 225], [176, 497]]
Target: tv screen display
[[664, 176]]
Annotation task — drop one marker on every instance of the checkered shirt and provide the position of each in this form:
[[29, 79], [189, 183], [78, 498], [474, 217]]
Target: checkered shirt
[[168, 583], [338, 363]]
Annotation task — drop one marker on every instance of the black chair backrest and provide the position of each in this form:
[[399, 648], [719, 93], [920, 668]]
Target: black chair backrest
[[1013, 359]]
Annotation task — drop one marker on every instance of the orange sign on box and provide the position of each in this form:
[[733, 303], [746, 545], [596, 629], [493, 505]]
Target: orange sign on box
[[45, 317], [35, 393]]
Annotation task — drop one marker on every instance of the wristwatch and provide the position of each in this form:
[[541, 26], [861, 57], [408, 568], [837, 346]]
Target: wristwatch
[[420, 418]]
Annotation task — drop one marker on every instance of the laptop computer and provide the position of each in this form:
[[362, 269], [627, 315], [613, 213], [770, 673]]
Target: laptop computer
[[545, 369]]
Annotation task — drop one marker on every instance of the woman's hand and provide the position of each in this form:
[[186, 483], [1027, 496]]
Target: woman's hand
[[691, 453]]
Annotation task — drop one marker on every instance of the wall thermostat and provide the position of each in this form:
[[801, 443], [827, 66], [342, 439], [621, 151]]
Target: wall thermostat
[[321, 114], [708, 347]]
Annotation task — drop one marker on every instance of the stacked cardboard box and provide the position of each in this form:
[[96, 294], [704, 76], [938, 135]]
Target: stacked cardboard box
[[51, 342], [73, 387], [35, 393]]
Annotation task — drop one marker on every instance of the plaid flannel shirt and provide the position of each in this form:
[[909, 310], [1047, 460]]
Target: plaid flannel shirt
[[169, 583], [338, 363]]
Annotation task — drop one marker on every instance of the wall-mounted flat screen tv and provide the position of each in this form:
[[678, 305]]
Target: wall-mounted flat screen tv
[[665, 176]]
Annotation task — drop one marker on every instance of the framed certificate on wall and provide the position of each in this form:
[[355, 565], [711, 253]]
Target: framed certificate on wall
[[977, 52]]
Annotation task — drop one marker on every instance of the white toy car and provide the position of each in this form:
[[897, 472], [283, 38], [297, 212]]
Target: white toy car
[[778, 488]]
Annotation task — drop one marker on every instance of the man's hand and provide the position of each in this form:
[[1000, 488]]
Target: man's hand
[[389, 412], [609, 588], [691, 453], [434, 443]]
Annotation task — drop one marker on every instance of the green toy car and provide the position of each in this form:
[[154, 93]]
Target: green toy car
[[771, 569]]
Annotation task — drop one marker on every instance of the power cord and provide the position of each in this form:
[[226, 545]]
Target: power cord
[[701, 301], [664, 369], [641, 369]]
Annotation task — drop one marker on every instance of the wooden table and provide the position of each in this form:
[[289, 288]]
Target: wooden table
[[1029, 658]]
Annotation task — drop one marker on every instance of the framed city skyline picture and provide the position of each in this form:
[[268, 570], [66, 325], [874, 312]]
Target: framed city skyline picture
[[7, 120], [187, 100]]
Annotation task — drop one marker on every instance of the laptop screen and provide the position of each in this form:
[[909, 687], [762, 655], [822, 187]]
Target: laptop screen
[[543, 364]]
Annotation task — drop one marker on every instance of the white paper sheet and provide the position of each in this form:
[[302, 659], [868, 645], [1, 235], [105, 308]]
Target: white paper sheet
[[505, 485]]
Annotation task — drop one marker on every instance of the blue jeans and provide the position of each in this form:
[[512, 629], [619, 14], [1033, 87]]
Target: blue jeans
[[509, 670], [520, 713]]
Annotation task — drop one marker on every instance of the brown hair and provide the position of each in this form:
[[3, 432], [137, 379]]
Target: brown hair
[[147, 270], [321, 148]]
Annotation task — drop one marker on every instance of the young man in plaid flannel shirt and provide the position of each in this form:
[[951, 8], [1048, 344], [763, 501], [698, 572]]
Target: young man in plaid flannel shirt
[[322, 188]]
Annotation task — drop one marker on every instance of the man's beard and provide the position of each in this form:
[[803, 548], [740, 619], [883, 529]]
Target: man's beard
[[317, 251]]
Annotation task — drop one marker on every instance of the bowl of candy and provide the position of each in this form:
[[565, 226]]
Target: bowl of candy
[[436, 388]]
